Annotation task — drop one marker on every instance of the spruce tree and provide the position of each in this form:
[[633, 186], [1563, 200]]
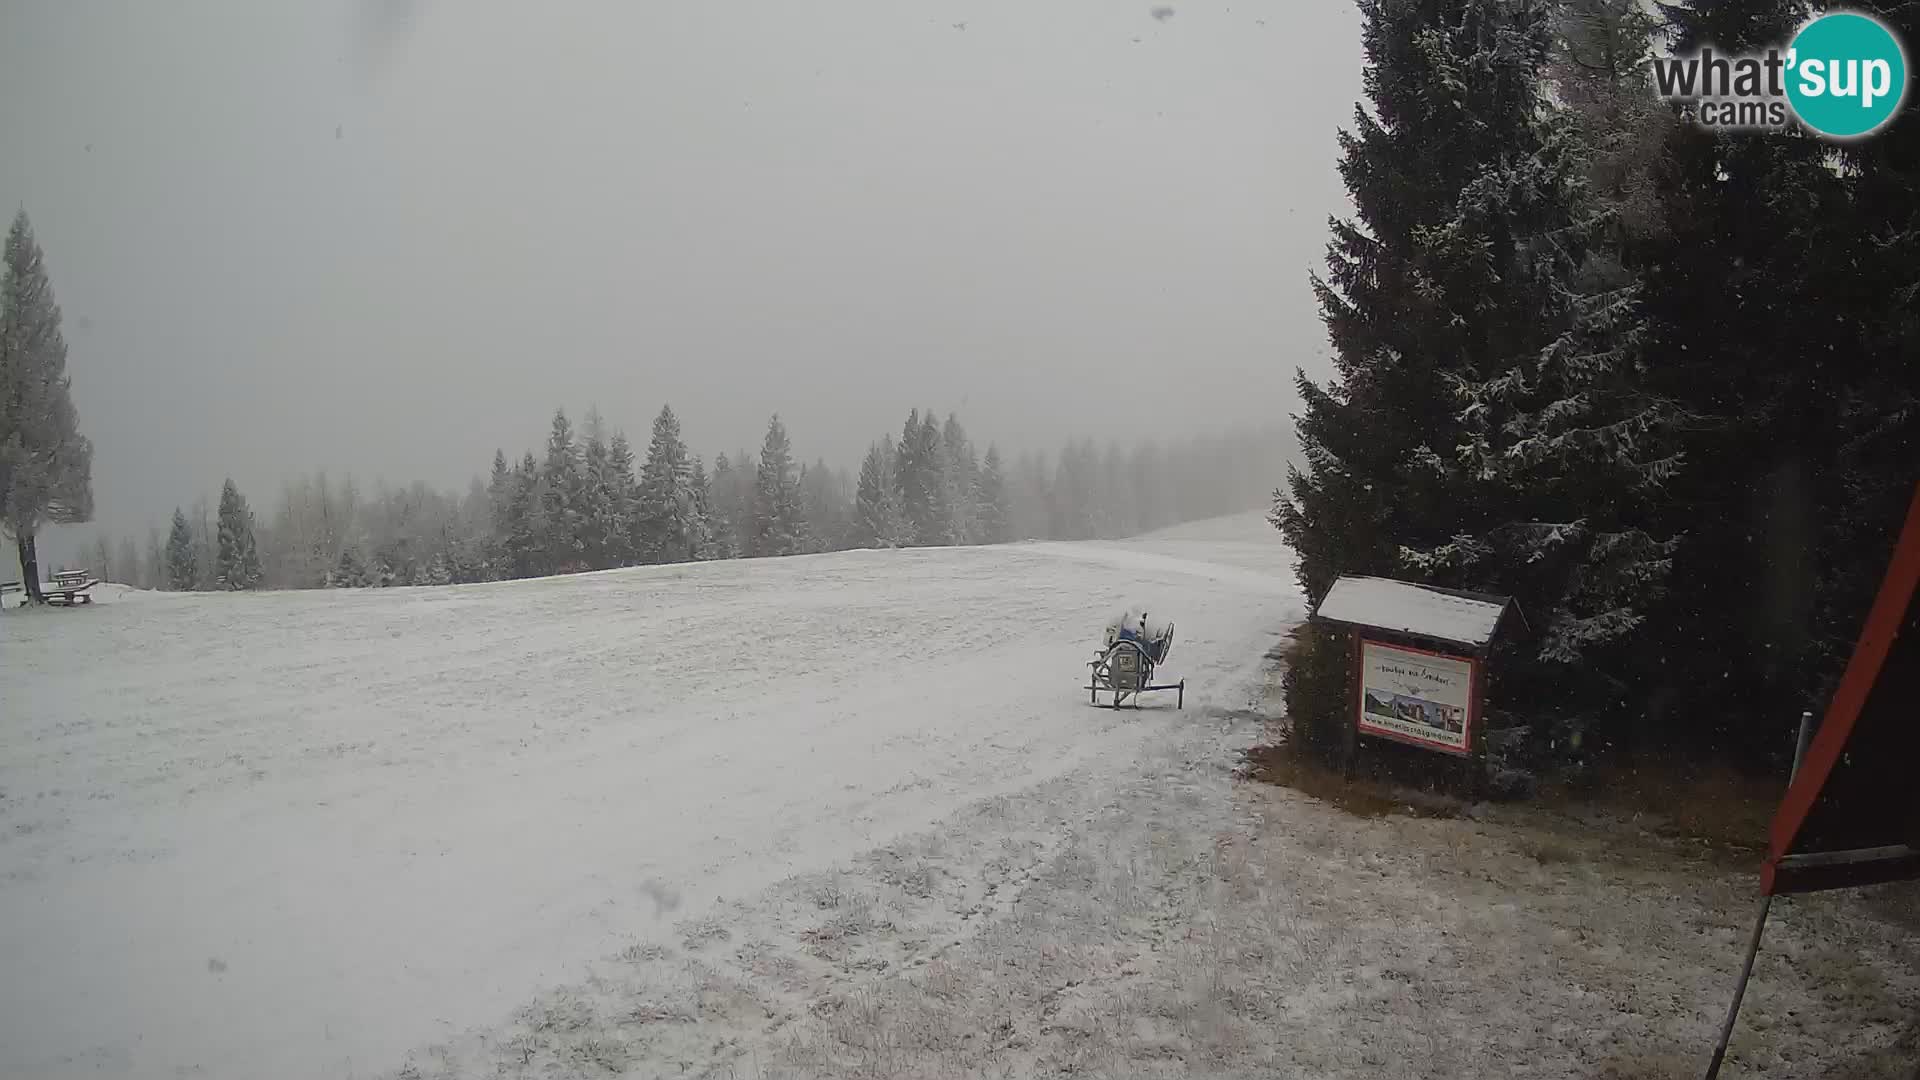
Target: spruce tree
[[994, 508], [183, 569], [704, 540], [1489, 426], [668, 507], [724, 511], [238, 559], [939, 482], [153, 562], [779, 524], [598, 528], [623, 507], [562, 498], [825, 506], [499, 501], [524, 545], [922, 474], [1781, 285], [46, 465], [912, 475], [350, 572], [879, 520], [962, 470]]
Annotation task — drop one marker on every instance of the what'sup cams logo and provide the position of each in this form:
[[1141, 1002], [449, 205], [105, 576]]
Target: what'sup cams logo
[[1844, 76]]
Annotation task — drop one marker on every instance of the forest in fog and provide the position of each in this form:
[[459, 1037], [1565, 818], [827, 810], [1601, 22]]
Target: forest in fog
[[589, 499]]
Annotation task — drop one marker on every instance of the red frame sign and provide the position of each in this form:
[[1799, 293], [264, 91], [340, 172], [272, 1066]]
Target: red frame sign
[[1417, 695]]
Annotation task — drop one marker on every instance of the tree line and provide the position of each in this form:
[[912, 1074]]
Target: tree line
[[1660, 382], [587, 502]]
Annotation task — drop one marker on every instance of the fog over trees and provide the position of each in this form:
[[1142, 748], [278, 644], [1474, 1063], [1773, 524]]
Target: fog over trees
[[585, 504]]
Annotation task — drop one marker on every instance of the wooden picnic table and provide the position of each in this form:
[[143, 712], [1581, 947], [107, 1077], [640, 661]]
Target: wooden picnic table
[[69, 587]]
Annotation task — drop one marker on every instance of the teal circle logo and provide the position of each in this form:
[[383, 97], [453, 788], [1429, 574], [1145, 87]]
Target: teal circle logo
[[1847, 74]]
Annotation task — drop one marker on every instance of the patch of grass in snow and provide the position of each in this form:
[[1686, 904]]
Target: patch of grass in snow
[[1713, 804], [1364, 796]]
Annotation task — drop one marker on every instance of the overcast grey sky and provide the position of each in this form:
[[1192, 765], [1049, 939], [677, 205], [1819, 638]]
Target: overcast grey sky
[[385, 237]]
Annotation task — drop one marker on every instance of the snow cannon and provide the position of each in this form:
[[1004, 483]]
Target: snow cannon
[[1134, 645]]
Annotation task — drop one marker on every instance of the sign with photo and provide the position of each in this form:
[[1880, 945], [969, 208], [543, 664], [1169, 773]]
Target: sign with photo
[[1415, 696]]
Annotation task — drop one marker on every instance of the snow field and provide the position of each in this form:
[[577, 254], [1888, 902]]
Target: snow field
[[301, 834]]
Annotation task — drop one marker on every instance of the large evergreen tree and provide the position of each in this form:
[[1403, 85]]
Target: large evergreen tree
[[1484, 428], [46, 465], [500, 486], [183, 570], [921, 471], [962, 473], [238, 557], [153, 562], [994, 508], [779, 524], [623, 508], [524, 544], [1782, 291], [879, 520], [825, 506], [563, 499], [669, 509], [725, 509], [599, 529], [707, 540]]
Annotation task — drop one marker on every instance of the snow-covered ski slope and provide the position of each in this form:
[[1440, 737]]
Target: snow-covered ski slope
[[298, 834]]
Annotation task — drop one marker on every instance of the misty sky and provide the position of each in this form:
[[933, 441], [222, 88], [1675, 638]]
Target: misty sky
[[384, 237]]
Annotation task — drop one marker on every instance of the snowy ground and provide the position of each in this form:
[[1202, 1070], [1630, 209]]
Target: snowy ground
[[844, 816], [302, 834]]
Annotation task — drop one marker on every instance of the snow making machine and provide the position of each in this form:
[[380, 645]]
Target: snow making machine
[[1135, 645]]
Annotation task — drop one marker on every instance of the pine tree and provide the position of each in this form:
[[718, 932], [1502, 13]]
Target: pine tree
[[879, 519], [349, 572], [46, 465], [962, 470], [1481, 430], [921, 471], [779, 524], [600, 529], [704, 539], [205, 543], [499, 506], [668, 507], [238, 559], [824, 506], [183, 570], [723, 509], [990, 496], [623, 509], [562, 499], [153, 563], [1781, 287], [525, 543], [436, 571]]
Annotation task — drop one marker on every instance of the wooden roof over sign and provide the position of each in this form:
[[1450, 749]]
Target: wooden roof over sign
[[1462, 618]]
